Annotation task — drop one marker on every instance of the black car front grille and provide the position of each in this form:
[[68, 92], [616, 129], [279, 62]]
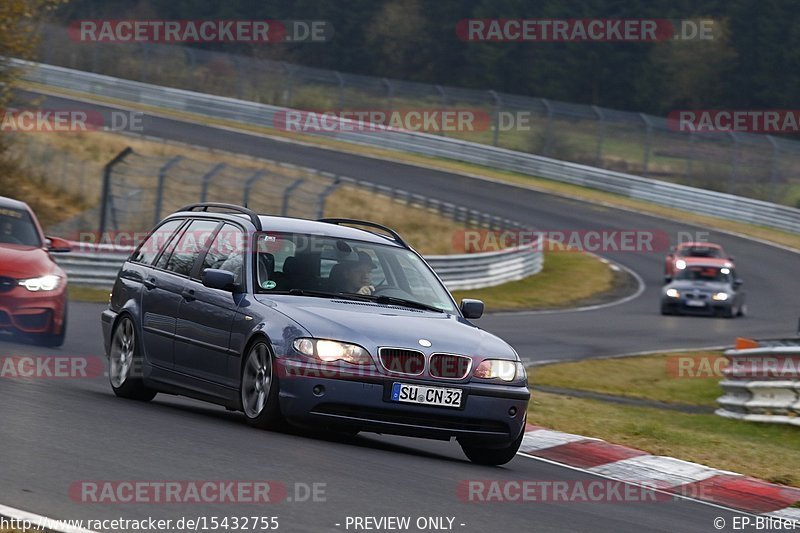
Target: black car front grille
[[7, 284], [401, 361], [449, 366]]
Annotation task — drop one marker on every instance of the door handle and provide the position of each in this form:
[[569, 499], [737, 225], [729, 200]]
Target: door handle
[[188, 294], [149, 283]]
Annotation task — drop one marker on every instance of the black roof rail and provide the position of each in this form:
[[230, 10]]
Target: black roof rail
[[339, 221], [231, 207]]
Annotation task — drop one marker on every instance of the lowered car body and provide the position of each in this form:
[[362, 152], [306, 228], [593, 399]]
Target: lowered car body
[[252, 316]]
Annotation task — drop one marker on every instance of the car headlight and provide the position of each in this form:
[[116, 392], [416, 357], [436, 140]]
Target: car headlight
[[680, 264], [499, 368], [720, 296], [673, 293], [332, 351], [44, 283]]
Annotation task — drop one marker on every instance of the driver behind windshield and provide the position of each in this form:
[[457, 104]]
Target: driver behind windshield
[[355, 276]]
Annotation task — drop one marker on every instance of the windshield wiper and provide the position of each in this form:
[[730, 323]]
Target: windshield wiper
[[403, 302], [322, 294]]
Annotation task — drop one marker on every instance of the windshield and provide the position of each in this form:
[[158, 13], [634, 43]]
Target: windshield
[[700, 251], [16, 227], [319, 264], [705, 273]]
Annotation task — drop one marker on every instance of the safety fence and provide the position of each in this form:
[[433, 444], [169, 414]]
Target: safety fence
[[697, 200], [762, 382], [757, 166]]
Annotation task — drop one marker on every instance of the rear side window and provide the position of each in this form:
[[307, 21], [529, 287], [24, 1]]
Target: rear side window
[[189, 247], [156, 242], [227, 252]]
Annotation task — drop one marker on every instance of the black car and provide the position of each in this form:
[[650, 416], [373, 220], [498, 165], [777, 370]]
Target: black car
[[315, 322]]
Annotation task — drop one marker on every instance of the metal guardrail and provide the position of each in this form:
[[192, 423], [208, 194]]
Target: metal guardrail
[[700, 201], [762, 384], [97, 266]]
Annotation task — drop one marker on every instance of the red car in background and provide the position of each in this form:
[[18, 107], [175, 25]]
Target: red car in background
[[33, 288], [678, 255]]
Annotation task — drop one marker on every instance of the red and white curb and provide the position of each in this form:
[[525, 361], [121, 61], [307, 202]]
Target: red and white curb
[[664, 473]]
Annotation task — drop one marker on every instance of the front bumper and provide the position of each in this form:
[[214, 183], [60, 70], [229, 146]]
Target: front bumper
[[363, 403], [710, 307], [33, 312]]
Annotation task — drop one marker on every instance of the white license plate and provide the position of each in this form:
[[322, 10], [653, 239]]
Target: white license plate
[[423, 395], [695, 303]]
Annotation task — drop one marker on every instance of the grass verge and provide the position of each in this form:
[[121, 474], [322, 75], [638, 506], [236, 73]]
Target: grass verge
[[770, 452], [566, 279], [540, 184]]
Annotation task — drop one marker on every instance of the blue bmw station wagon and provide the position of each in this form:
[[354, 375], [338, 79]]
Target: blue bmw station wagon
[[336, 324]]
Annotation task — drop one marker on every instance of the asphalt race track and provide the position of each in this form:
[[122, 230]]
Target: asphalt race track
[[59, 432]]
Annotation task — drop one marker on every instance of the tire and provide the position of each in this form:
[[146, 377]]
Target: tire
[[492, 456], [728, 312], [54, 340], [259, 388], [742, 310], [665, 310], [123, 360]]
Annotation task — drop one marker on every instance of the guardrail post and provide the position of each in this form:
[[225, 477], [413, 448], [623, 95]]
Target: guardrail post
[[324, 196], [496, 122], [773, 171], [734, 162], [389, 92], [547, 134], [443, 96], [207, 177], [648, 138], [601, 130], [288, 193], [340, 81], [162, 175], [248, 185], [105, 194]]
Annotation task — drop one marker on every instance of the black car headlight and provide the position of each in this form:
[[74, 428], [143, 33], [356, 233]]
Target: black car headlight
[[331, 351]]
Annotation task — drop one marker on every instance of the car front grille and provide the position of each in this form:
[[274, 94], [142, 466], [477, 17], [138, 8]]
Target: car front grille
[[449, 366], [402, 361], [696, 296], [7, 284]]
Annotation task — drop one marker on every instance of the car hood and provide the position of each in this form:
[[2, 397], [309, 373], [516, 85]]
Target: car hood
[[26, 262], [374, 325], [716, 286]]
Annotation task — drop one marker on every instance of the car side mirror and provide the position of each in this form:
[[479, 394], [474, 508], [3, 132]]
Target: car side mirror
[[730, 258], [219, 279], [471, 308], [738, 282], [57, 245]]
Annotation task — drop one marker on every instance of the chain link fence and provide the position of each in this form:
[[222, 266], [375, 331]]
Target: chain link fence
[[756, 166]]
